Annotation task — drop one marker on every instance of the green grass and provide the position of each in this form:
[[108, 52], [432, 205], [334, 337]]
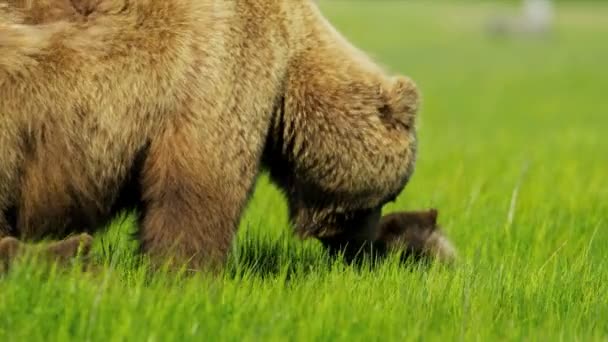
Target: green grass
[[513, 152]]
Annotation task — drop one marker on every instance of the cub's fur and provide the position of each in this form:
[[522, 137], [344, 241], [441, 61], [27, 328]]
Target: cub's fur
[[414, 234], [173, 107], [417, 235]]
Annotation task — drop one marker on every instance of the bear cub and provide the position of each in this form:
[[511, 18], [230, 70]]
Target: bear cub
[[61, 252], [416, 234]]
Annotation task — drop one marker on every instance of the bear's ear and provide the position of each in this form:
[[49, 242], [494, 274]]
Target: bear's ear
[[401, 101], [404, 96]]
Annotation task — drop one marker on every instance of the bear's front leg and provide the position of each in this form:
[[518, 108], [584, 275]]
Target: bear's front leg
[[193, 193]]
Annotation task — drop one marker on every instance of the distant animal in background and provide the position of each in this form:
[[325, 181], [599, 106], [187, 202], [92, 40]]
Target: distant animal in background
[[535, 20]]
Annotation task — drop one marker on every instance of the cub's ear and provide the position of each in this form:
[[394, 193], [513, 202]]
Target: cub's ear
[[71, 247], [9, 248], [433, 213]]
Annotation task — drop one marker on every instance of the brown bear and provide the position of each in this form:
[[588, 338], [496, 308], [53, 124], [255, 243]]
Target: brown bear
[[172, 108]]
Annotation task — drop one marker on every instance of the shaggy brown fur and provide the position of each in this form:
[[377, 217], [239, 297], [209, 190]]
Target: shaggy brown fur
[[45, 11], [173, 107], [417, 234], [62, 251]]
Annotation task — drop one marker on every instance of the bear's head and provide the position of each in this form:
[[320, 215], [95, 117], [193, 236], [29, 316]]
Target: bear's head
[[341, 149], [342, 140]]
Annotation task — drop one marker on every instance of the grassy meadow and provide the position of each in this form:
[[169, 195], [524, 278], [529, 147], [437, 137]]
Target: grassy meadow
[[513, 153]]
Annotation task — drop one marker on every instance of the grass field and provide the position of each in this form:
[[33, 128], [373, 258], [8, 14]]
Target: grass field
[[514, 154]]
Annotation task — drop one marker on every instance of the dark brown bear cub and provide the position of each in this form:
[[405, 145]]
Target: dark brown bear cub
[[417, 235]]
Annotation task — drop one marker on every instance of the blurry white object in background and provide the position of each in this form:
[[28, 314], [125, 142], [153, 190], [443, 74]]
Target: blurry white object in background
[[538, 14], [536, 19]]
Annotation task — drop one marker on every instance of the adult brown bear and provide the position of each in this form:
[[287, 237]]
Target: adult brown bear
[[173, 107]]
